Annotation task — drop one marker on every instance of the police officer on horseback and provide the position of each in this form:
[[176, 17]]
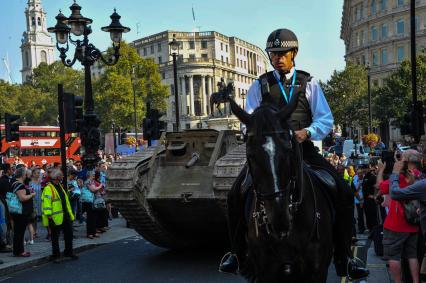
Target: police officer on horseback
[[311, 120]]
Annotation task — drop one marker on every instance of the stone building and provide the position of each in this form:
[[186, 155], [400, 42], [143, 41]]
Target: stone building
[[377, 34], [37, 44], [204, 58]]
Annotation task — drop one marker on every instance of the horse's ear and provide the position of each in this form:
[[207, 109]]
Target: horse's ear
[[242, 115]]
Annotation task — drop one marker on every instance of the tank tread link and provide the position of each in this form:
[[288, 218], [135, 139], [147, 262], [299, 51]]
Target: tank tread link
[[126, 184]]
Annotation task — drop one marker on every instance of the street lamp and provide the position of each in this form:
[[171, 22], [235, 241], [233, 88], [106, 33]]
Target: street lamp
[[174, 51], [370, 115], [114, 139], [134, 105], [243, 96], [87, 54]]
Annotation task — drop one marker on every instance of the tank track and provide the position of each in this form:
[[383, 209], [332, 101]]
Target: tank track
[[225, 171], [128, 180]]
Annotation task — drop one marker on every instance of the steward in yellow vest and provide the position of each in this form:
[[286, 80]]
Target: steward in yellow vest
[[57, 215], [52, 205]]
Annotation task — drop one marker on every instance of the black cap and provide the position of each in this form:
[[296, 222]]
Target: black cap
[[282, 40]]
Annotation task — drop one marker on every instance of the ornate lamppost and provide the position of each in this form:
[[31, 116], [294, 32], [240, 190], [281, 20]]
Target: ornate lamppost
[[87, 54], [174, 51], [370, 114]]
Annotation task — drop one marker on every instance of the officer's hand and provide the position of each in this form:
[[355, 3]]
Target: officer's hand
[[301, 135]]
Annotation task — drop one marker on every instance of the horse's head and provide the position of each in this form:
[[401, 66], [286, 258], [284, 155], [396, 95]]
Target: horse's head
[[270, 155]]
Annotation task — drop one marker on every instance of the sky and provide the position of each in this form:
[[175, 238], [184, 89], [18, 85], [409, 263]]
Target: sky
[[315, 22]]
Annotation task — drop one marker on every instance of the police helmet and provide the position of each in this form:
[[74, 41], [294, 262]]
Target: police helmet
[[282, 40]]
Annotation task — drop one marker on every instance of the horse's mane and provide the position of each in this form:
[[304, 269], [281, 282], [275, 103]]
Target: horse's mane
[[264, 118]]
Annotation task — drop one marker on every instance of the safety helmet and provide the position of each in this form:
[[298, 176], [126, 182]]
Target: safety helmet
[[282, 40]]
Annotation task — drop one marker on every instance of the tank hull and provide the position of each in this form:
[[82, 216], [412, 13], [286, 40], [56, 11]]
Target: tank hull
[[169, 200]]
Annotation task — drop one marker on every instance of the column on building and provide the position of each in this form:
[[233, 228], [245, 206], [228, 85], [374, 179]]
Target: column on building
[[191, 95], [209, 91], [184, 101], [203, 95]]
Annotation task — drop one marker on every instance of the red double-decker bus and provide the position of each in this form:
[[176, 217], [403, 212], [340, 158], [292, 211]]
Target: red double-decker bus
[[39, 143]]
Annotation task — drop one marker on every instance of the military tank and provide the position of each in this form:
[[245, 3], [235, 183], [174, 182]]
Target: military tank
[[174, 194]]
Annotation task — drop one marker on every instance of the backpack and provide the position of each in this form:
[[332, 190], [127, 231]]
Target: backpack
[[13, 203], [410, 212]]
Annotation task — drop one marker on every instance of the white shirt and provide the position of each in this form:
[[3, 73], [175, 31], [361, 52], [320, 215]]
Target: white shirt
[[322, 119]]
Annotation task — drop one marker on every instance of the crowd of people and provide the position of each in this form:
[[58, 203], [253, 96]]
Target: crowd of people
[[40, 195], [390, 197]]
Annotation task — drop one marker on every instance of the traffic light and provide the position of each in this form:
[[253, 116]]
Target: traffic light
[[147, 126], [73, 112], [406, 125], [12, 127], [157, 125]]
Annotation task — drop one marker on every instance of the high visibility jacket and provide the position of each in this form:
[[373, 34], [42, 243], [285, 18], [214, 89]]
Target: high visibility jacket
[[52, 205]]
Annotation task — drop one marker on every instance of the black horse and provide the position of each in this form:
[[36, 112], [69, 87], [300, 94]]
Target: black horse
[[219, 97], [289, 224]]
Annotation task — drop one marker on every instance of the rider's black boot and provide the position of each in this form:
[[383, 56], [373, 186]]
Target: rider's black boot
[[229, 263], [352, 268]]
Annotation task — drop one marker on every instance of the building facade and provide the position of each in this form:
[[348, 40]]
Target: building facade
[[377, 33], [204, 59], [37, 44]]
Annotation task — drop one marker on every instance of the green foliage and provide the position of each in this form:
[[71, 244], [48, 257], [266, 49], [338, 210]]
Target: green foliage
[[346, 93], [114, 89], [393, 99]]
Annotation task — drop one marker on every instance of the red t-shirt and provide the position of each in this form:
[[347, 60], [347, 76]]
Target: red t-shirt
[[395, 220]]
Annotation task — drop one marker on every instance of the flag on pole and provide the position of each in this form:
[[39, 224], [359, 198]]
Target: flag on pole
[[193, 14]]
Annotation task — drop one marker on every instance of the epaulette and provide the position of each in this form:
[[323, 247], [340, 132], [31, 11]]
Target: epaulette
[[305, 74]]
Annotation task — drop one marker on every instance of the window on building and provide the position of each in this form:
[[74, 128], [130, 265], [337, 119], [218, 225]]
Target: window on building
[[205, 57], [384, 55], [163, 75], [356, 14], [191, 57], [357, 39], [375, 58], [227, 60], [221, 47], [373, 33], [400, 3], [373, 7], [400, 54], [361, 11], [43, 56], [204, 44], [384, 31], [362, 37], [245, 65], [400, 27], [238, 63], [159, 47], [39, 21], [383, 4], [26, 61], [144, 51], [33, 22], [221, 58], [160, 60], [363, 60], [191, 44], [226, 47], [152, 49]]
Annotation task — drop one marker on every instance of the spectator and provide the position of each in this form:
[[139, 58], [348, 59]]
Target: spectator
[[369, 192], [20, 221], [399, 237], [74, 191], [32, 217], [359, 199], [87, 198], [6, 181], [102, 214], [81, 173], [58, 215]]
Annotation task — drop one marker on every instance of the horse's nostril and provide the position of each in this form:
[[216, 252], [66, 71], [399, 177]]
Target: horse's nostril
[[287, 269]]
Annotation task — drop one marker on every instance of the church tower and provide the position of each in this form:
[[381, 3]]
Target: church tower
[[37, 44]]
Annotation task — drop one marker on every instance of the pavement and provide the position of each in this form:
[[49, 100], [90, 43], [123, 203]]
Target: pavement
[[42, 249]]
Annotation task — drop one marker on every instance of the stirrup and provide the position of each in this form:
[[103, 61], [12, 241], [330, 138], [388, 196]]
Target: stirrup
[[356, 261], [227, 255]]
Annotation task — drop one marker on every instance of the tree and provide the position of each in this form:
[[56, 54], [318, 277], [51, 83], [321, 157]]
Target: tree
[[392, 100], [346, 93], [114, 89]]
